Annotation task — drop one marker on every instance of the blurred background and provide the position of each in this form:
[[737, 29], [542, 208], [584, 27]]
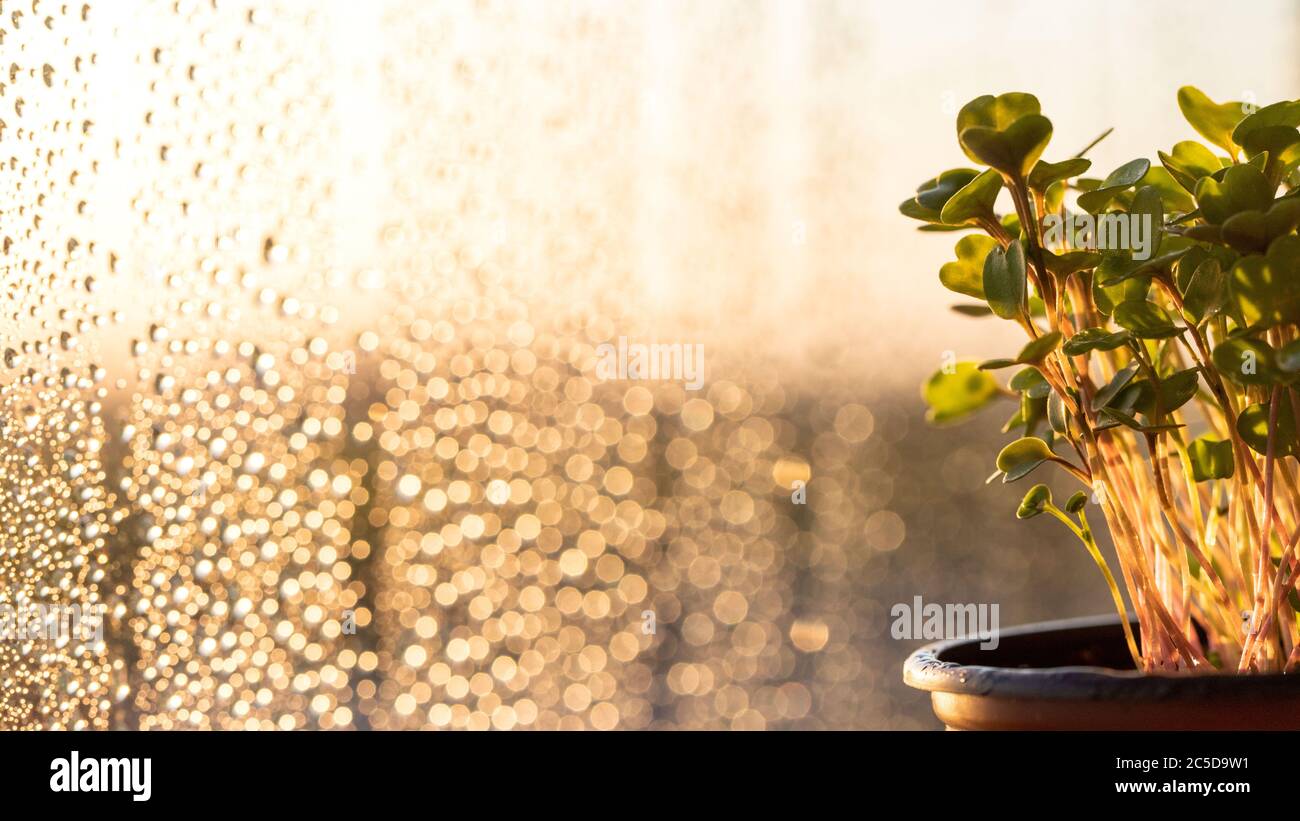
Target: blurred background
[[305, 301]]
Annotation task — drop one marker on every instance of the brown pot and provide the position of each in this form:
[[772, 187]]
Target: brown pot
[[1077, 675]]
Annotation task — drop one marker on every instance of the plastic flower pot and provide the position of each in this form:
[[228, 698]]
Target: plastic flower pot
[[1077, 675]]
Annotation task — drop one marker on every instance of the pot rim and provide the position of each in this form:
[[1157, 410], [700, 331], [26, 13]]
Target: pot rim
[[933, 669]]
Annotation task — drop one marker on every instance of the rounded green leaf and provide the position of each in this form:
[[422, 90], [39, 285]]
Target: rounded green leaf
[[1032, 412], [1272, 130], [1285, 114], [1031, 382], [1188, 162], [1106, 297], [1172, 391], [1246, 361], [1244, 188], [1038, 349], [1062, 265], [1282, 217], [1118, 416], [1127, 174], [1056, 414], [1095, 339], [911, 208], [1004, 280], [935, 193], [1206, 293], [1175, 198], [1118, 180], [1013, 150], [1279, 146], [1116, 384], [1145, 319], [1266, 289], [1035, 502], [1288, 358], [997, 112], [1213, 121], [997, 364], [1252, 424], [1246, 231], [1118, 266], [957, 394], [1252, 232], [1020, 457], [1211, 459], [974, 201], [1045, 174], [966, 275], [1076, 502]]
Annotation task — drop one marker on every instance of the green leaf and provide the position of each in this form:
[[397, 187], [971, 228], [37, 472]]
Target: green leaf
[[1187, 265], [955, 396], [1118, 266], [1013, 150], [1175, 199], [1272, 130], [1288, 358], [1112, 388], [1035, 502], [1173, 391], [1118, 180], [1032, 412], [936, 193], [1020, 457], [1146, 319], [1045, 174], [1273, 140], [1054, 197], [1206, 293], [1004, 280], [1213, 121], [1129, 421], [1266, 289], [1076, 502], [1211, 459], [1244, 188], [1189, 162], [1095, 339], [911, 208], [1037, 350], [1148, 209], [1246, 361], [1107, 297], [974, 201], [1062, 265], [1246, 231], [1032, 354], [1278, 146], [1056, 414], [997, 112], [1285, 114], [1252, 424], [1254, 231], [966, 275], [1030, 381]]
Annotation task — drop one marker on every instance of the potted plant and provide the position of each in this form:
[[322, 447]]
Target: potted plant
[[1161, 307]]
